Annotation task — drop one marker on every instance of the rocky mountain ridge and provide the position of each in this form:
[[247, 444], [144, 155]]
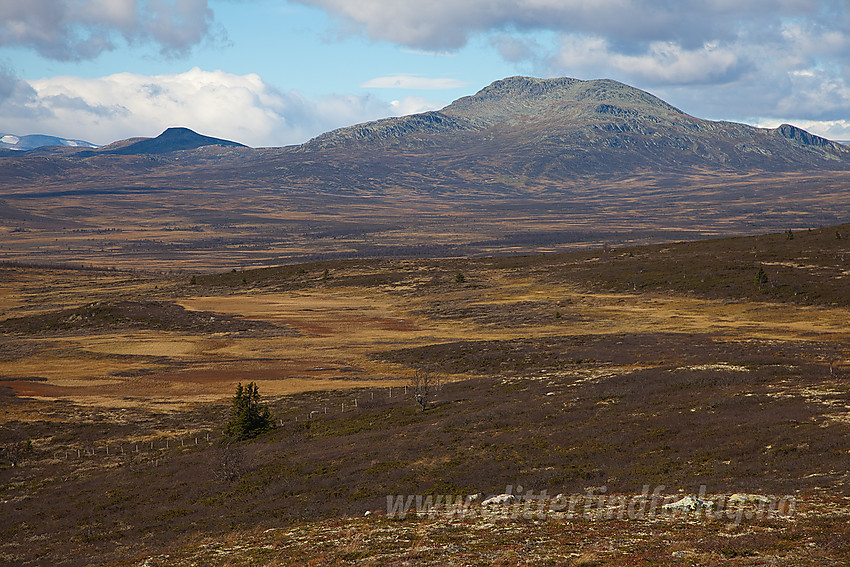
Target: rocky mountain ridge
[[569, 125], [541, 128]]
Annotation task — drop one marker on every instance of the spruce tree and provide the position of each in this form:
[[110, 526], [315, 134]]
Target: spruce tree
[[248, 417]]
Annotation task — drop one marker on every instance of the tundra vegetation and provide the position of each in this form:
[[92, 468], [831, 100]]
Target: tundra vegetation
[[667, 368]]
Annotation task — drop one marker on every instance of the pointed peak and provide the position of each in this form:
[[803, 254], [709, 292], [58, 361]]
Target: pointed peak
[[172, 140], [178, 131]]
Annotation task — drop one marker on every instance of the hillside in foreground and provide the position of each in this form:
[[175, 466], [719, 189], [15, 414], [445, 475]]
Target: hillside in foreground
[[591, 374]]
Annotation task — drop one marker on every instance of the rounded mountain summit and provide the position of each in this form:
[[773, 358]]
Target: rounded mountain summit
[[563, 126]]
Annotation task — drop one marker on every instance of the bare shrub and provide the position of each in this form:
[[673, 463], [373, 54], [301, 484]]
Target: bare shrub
[[587, 559], [14, 453], [229, 462], [422, 386]]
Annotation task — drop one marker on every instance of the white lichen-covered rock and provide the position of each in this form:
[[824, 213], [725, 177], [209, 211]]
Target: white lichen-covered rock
[[688, 503], [743, 498], [475, 498], [499, 500]]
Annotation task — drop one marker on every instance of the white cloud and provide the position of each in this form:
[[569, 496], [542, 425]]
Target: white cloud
[[413, 82], [661, 63], [70, 30], [731, 59], [815, 93], [414, 105], [13, 88], [237, 107], [448, 24], [516, 48]]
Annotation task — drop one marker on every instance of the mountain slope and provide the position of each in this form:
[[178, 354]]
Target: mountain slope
[[563, 127]]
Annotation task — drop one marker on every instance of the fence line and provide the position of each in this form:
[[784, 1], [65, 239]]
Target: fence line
[[201, 439]]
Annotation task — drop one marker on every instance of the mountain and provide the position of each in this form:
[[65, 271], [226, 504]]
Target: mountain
[[523, 165], [562, 127], [32, 141], [172, 140]]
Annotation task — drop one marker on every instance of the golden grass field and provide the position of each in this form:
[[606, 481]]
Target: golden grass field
[[338, 329], [664, 364]]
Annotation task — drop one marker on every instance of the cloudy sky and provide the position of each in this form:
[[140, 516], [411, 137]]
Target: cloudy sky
[[278, 72]]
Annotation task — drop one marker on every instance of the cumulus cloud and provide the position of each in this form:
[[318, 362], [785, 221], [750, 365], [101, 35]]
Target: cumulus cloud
[[721, 58], [441, 24], [816, 93], [661, 63], [69, 30], [413, 82], [413, 105], [237, 107], [13, 88], [516, 48]]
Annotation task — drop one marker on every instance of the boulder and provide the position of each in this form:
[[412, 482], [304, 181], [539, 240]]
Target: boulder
[[499, 500], [743, 498], [476, 498], [688, 503]]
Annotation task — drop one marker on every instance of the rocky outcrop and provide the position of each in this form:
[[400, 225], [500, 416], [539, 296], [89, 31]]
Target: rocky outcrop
[[805, 138]]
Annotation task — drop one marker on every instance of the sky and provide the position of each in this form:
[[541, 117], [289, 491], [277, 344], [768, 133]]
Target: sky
[[279, 72]]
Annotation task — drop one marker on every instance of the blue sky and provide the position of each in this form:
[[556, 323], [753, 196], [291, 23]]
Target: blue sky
[[277, 72]]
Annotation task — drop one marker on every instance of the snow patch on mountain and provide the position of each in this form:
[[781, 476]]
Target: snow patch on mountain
[[32, 141]]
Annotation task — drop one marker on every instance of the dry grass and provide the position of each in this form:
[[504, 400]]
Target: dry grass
[[557, 373], [329, 335]]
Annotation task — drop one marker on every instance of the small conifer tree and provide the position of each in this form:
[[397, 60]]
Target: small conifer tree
[[761, 276], [248, 417]]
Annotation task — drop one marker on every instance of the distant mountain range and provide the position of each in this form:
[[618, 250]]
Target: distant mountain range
[[32, 141], [517, 132], [522, 162], [172, 140], [551, 128]]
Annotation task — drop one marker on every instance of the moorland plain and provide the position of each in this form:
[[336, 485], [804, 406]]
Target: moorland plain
[[516, 246], [187, 222], [617, 367]]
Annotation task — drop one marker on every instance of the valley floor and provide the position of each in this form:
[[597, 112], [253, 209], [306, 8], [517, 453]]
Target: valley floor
[[586, 373]]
